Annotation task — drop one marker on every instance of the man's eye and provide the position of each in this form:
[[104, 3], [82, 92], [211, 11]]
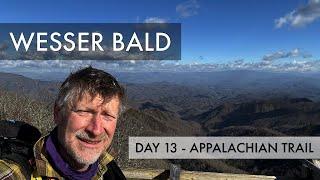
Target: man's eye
[[83, 112], [108, 117]]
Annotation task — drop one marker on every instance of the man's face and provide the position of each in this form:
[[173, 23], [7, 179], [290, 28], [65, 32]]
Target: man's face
[[87, 129]]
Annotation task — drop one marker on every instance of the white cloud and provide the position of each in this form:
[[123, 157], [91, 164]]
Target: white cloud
[[299, 65], [282, 54], [301, 16], [188, 8], [155, 20]]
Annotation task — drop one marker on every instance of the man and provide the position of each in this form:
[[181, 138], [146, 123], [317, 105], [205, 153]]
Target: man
[[86, 110]]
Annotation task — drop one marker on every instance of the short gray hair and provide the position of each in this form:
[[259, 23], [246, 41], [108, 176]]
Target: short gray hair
[[92, 81]]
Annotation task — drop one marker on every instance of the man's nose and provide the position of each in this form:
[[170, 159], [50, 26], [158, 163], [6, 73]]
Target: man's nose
[[95, 126]]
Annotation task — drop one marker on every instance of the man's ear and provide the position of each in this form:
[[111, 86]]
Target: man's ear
[[57, 116]]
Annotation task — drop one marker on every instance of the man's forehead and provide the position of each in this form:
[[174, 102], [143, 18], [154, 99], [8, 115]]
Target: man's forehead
[[95, 100]]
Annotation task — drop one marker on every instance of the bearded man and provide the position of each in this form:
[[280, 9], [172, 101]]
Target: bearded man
[[86, 111]]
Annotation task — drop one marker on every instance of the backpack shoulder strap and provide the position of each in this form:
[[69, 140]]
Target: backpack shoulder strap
[[114, 172], [16, 144], [23, 162]]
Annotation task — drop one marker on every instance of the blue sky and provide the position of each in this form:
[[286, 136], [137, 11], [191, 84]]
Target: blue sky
[[213, 31]]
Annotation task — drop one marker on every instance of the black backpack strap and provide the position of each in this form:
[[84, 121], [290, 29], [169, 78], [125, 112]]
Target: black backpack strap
[[114, 172], [22, 161], [16, 143]]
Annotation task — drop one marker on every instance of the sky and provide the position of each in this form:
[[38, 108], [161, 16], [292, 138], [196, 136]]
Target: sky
[[216, 34]]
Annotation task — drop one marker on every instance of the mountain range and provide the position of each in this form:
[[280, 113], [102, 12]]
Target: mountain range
[[232, 103]]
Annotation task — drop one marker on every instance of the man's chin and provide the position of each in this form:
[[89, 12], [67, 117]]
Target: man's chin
[[83, 155], [87, 157]]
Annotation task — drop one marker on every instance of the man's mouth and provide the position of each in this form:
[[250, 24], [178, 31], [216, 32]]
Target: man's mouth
[[89, 142]]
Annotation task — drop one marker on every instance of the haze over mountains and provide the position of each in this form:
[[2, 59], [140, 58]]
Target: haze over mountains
[[230, 103], [224, 84]]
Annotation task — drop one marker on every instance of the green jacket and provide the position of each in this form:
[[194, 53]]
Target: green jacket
[[12, 170]]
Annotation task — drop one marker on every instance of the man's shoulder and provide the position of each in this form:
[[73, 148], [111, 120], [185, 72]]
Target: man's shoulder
[[10, 170]]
